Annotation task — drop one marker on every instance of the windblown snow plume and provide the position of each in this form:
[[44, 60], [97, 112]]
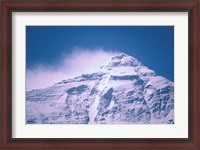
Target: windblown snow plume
[[123, 91]]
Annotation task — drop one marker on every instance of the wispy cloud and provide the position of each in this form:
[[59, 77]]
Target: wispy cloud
[[71, 65]]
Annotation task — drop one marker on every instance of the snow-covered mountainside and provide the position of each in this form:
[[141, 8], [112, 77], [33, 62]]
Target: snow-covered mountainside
[[123, 91]]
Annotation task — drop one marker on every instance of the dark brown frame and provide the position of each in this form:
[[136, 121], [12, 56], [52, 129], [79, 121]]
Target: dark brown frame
[[9, 6]]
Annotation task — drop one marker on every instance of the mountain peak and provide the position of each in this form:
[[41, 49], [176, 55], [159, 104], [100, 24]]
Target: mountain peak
[[126, 92], [122, 60], [120, 56]]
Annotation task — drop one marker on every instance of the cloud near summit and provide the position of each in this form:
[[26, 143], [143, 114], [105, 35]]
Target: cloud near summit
[[80, 61]]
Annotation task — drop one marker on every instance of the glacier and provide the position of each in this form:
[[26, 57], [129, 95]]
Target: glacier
[[123, 91]]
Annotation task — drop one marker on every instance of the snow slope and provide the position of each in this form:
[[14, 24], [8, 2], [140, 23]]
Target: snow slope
[[124, 91]]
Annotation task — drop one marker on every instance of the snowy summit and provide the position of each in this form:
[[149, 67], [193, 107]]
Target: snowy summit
[[123, 91]]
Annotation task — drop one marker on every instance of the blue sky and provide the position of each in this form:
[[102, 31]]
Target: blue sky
[[152, 45]]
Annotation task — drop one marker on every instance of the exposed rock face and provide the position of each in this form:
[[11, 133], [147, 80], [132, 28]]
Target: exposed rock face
[[124, 91]]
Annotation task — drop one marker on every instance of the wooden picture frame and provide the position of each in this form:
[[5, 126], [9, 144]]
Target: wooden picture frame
[[9, 6]]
